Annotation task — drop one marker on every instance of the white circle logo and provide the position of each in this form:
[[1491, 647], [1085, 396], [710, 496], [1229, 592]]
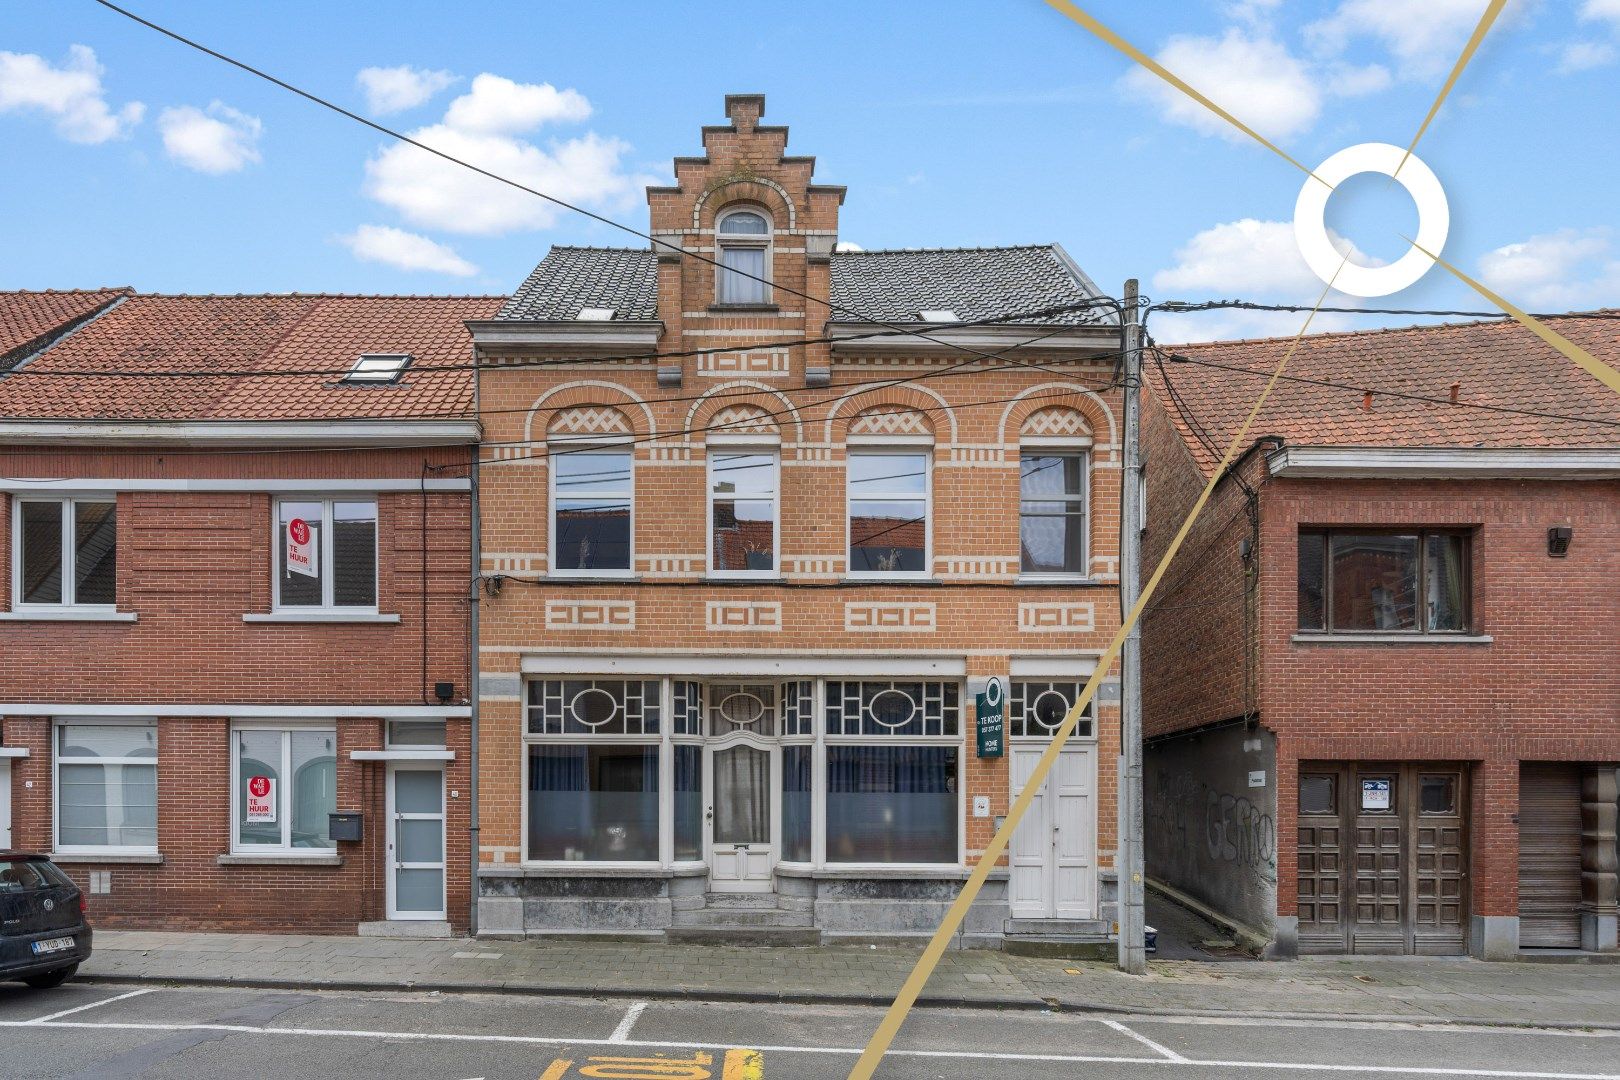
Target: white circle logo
[[1310, 219]]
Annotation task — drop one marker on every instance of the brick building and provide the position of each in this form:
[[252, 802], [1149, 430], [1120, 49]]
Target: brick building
[[741, 580], [1383, 679], [187, 696]]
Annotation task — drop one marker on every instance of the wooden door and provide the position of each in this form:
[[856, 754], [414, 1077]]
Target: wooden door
[[1549, 856]]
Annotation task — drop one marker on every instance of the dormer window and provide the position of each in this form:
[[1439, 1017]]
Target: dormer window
[[941, 315], [596, 314], [743, 244], [378, 368]]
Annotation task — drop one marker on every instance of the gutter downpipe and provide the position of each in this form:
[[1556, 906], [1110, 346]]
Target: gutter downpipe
[[475, 594]]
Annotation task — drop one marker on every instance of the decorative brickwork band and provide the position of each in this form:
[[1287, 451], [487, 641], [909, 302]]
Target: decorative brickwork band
[[744, 615], [1056, 618], [889, 617], [590, 614]]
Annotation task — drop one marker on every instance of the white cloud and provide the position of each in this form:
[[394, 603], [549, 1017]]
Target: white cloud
[[405, 250], [1425, 36], [1254, 78], [1583, 56], [481, 127], [220, 140], [395, 89], [1247, 259], [497, 106], [71, 95], [1602, 10], [1564, 270]]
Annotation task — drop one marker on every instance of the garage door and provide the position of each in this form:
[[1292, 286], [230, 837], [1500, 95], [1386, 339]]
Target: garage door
[[1549, 856]]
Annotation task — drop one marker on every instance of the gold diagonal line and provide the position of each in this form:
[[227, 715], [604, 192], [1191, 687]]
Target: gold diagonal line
[[1588, 363], [884, 1037], [1091, 23], [1492, 10]]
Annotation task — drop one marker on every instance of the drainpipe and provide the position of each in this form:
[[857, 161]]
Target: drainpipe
[[474, 594]]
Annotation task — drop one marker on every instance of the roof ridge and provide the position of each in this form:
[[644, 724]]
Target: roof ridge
[[315, 296], [69, 292], [973, 247], [1483, 321]]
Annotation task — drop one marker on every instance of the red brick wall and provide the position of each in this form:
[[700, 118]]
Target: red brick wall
[[190, 564]]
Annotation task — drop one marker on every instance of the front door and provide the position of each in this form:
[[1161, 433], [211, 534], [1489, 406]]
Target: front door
[[1382, 859], [5, 803], [415, 842], [741, 815], [1053, 853]]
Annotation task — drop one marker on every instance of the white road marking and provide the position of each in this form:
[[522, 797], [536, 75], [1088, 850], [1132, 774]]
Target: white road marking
[[93, 1005], [843, 1051], [1428, 1026], [631, 1015], [1170, 1055]]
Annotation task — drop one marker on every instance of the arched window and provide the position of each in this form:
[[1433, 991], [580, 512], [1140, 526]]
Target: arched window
[[743, 243], [1054, 483]]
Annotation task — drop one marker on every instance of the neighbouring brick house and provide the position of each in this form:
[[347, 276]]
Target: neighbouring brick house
[[1382, 688], [185, 696], [741, 582]]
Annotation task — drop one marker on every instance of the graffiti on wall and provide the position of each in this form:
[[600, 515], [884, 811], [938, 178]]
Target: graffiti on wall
[[1227, 828]]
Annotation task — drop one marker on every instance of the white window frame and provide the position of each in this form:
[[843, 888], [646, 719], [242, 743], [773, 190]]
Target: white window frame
[[756, 242], [1079, 683], [284, 785], [57, 760], [718, 446], [1057, 447], [825, 741], [870, 447], [278, 541], [665, 767], [587, 447], [65, 505]]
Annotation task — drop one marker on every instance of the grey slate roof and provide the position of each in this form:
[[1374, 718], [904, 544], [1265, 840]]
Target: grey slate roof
[[889, 286]]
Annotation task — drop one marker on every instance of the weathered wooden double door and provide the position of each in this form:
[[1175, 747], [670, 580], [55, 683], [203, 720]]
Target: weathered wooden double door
[[1383, 858]]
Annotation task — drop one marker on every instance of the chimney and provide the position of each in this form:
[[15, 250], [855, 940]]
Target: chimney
[[1456, 387], [1366, 401]]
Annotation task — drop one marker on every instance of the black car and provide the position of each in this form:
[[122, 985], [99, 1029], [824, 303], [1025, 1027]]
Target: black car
[[44, 934]]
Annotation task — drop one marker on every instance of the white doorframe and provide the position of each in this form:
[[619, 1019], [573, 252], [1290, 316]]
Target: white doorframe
[[1053, 856], [391, 840], [747, 867], [5, 802]]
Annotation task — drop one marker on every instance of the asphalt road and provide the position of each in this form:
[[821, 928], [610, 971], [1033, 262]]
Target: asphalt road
[[110, 1031]]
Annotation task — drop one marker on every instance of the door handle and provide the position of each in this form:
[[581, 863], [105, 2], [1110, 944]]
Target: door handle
[[708, 815]]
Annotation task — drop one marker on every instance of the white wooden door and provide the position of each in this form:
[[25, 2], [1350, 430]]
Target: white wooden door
[[740, 780], [1054, 852], [416, 842]]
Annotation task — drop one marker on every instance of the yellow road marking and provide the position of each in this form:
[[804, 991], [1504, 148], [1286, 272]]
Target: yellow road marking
[[1091, 23], [1492, 10], [744, 1065], [883, 1038], [557, 1070]]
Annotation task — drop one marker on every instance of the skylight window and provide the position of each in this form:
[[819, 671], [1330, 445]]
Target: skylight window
[[378, 368], [596, 314], [938, 315]]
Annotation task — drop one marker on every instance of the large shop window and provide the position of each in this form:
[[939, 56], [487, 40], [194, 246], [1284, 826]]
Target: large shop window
[[326, 554], [106, 788], [66, 552], [1414, 582], [744, 240], [892, 772], [591, 499], [742, 512], [1052, 513], [286, 786], [888, 513]]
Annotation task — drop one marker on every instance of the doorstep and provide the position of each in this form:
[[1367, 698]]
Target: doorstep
[[405, 928]]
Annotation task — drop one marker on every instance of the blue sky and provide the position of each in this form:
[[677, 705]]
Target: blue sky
[[132, 160]]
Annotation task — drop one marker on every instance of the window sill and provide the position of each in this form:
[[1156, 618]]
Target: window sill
[[582, 869], [731, 309], [888, 579], [318, 617], [745, 579], [1057, 579], [282, 859], [131, 858], [615, 578], [1392, 639], [855, 871], [67, 614]]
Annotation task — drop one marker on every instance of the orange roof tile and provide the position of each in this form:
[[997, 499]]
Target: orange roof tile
[[1495, 364], [30, 320], [268, 333]]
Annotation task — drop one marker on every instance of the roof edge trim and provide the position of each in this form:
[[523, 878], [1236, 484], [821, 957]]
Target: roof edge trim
[[378, 432], [1426, 462]]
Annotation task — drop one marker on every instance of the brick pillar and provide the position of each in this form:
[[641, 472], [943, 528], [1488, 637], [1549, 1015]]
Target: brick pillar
[[1493, 857], [1600, 863]]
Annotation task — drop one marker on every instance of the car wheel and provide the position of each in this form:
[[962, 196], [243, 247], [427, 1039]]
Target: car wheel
[[52, 978]]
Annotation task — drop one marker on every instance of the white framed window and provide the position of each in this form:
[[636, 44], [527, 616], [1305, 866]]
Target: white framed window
[[893, 790], [1036, 708], [889, 530], [283, 787], [326, 555], [64, 553], [592, 511], [744, 507], [1053, 523], [743, 247], [105, 787]]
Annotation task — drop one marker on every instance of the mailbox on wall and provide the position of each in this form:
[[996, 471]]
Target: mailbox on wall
[[346, 826]]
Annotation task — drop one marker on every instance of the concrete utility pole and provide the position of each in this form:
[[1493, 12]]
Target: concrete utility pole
[[1129, 862]]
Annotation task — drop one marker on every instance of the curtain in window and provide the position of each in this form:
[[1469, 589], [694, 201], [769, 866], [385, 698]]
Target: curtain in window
[[892, 804], [595, 802]]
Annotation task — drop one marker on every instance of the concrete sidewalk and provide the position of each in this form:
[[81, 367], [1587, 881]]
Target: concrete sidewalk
[[1419, 990]]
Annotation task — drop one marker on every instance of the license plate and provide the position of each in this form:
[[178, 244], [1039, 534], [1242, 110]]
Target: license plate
[[50, 945]]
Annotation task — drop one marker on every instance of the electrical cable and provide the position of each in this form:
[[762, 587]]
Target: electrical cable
[[1185, 307]]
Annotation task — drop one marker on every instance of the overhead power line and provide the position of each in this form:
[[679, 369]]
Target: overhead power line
[[1185, 307]]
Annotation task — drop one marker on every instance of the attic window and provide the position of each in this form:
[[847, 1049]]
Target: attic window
[[938, 315], [378, 368], [596, 314]]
